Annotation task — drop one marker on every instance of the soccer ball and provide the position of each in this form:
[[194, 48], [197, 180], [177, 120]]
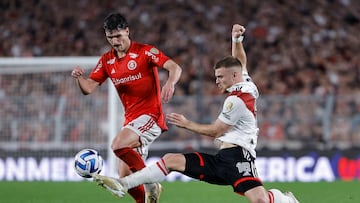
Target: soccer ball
[[88, 162]]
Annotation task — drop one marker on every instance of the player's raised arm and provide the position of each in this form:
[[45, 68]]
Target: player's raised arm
[[237, 49], [86, 85]]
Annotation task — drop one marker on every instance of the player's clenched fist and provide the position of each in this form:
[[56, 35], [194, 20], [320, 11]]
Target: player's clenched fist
[[77, 72], [237, 30]]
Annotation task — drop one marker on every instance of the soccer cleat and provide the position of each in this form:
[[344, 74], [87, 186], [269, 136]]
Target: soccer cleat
[[110, 184], [153, 192], [291, 195]]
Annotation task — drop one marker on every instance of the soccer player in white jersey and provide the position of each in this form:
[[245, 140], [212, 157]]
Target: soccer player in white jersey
[[235, 130]]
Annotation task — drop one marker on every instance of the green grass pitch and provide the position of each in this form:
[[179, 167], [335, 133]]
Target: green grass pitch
[[174, 192]]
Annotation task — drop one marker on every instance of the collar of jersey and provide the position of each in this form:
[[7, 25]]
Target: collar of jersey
[[235, 87]]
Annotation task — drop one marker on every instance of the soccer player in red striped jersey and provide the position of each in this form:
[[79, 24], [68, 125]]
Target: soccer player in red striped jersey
[[132, 67]]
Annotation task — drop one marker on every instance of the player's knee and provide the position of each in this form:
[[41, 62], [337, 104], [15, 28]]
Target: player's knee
[[258, 195], [119, 145], [115, 145], [174, 162], [170, 158], [124, 140]]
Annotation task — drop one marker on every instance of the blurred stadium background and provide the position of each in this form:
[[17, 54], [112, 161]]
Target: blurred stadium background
[[303, 55]]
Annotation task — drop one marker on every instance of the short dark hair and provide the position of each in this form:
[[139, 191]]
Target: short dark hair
[[115, 21], [228, 62]]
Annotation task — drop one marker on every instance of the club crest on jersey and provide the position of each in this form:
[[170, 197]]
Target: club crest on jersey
[[132, 65]]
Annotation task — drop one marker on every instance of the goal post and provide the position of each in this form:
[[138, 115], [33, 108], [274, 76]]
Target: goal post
[[114, 121], [15, 65]]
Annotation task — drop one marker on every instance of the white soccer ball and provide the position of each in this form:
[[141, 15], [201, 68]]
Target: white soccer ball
[[88, 162]]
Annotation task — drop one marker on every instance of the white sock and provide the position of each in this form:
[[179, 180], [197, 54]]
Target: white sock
[[276, 196], [151, 174]]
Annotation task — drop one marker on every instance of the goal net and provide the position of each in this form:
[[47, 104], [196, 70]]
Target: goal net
[[42, 104], [43, 112]]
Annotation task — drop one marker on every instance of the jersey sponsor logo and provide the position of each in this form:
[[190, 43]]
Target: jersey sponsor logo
[[111, 61], [153, 57], [133, 55], [129, 78], [247, 169], [244, 168], [132, 65]]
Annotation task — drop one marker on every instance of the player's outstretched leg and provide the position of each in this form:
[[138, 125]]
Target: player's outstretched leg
[[153, 192], [111, 184]]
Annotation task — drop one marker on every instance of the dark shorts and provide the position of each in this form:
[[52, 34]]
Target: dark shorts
[[231, 166]]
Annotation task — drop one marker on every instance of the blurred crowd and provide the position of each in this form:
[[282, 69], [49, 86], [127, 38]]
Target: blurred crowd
[[306, 49]]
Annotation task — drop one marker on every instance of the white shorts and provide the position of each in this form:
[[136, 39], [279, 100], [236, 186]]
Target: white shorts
[[147, 129]]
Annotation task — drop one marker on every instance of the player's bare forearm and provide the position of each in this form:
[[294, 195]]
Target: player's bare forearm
[[174, 71], [212, 130], [203, 129], [83, 85], [239, 52], [86, 85], [237, 49], [174, 76]]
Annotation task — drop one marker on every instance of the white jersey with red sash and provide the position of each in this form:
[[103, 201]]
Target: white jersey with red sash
[[239, 110]]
